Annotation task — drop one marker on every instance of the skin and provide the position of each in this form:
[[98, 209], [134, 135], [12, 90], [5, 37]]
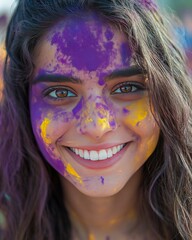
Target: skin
[[96, 112]]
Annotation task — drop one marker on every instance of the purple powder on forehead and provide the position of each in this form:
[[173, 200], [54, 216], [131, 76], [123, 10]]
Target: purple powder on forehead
[[101, 82], [126, 53], [80, 43], [109, 34], [102, 180], [107, 238], [101, 77], [43, 71]]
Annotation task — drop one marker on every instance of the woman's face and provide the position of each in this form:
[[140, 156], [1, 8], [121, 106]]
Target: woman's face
[[89, 106]]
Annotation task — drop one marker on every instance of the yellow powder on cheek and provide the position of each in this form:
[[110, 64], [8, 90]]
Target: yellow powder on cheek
[[138, 111], [43, 128], [72, 172]]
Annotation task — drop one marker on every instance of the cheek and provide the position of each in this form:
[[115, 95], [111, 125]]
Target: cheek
[[48, 126], [138, 118]]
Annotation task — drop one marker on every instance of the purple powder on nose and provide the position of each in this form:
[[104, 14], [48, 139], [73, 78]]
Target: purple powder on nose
[[113, 124]]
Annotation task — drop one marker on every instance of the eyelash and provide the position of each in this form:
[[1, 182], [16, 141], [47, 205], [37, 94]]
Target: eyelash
[[47, 92], [138, 86]]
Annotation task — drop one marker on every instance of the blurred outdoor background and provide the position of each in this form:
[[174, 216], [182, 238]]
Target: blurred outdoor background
[[181, 8]]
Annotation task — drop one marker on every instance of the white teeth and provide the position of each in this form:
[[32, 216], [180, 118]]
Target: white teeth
[[109, 153], [102, 154], [97, 155], [86, 154], [114, 150], [94, 156], [81, 153], [76, 151]]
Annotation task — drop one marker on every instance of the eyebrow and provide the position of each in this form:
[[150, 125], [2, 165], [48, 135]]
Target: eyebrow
[[126, 72], [55, 78]]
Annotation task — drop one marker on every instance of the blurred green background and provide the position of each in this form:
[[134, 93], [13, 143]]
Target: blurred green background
[[176, 5]]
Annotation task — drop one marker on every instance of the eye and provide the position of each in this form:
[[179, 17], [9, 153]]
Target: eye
[[128, 87], [59, 93]]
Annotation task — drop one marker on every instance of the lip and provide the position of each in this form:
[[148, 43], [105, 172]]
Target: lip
[[100, 163]]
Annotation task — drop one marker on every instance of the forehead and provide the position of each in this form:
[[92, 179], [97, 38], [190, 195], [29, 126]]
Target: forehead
[[85, 43]]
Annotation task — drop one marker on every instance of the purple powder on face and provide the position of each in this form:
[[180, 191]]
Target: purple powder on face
[[78, 108], [126, 111], [109, 34], [80, 43], [113, 124], [101, 82], [126, 53], [101, 77], [107, 238], [102, 180]]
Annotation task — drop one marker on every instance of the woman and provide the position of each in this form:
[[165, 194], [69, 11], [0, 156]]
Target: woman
[[95, 124]]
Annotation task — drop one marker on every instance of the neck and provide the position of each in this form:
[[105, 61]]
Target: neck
[[91, 216]]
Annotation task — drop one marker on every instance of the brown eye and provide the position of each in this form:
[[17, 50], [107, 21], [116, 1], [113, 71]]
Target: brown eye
[[60, 93], [126, 89]]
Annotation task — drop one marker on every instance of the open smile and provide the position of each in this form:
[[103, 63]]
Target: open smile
[[97, 159], [102, 154]]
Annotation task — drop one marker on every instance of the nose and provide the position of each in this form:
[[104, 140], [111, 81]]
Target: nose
[[96, 120]]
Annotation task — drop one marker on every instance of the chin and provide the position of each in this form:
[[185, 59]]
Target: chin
[[96, 188]]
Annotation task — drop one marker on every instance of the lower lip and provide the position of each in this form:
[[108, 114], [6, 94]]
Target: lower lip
[[100, 163]]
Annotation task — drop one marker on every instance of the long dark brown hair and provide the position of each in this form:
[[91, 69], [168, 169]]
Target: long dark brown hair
[[31, 197]]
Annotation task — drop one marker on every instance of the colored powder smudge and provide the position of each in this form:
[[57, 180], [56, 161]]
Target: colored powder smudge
[[113, 124], [138, 112], [126, 111], [79, 41], [72, 171], [109, 34], [78, 108], [43, 128], [107, 238], [126, 53], [101, 82], [102, 180], [103, 123]]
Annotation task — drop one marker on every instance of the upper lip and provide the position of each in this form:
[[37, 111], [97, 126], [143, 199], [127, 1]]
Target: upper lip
[[98, 147]]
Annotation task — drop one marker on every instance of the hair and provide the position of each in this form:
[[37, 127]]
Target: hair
[[31, 197]]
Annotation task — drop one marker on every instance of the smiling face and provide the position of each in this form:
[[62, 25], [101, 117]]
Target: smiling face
[[89, 106]]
